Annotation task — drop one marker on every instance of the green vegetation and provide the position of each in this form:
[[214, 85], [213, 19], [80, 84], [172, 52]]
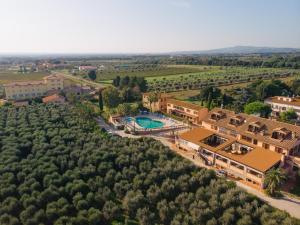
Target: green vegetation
[[247, 60], [141, 70], [273, 181], [57, 169], [224, 77], [259, 108], [92, 75], [288, 116], [111, 97]]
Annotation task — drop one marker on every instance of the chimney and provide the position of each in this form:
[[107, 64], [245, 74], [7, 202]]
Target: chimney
[[294, 134]]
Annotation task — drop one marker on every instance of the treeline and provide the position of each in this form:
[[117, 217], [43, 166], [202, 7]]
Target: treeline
[[236, 98], [275, 61], [54, 169]]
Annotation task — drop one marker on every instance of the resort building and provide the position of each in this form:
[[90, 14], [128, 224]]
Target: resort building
[[188, 111], [33, 89], [167, 104], [245, 146], [160, 105], [239, 159], [282, 104]]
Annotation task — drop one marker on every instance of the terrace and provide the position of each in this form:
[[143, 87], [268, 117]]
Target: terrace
[[214, 140]]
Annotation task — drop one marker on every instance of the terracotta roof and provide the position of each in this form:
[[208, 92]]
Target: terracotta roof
[[277, 99], [53, 98], [196, 135], [23, 83], [268, 128], [261, 159], [258, 158], [185, 104]]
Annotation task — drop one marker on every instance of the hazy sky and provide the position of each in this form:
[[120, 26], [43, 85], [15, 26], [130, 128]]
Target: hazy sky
[[119, 26]]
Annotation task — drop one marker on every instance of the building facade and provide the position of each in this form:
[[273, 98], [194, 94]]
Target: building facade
[[167, 104], [188, 111], [33, 89], [282, 104], [160, 105]]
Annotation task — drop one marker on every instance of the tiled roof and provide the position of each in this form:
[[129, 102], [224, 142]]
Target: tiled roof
[[185, 104], [259, 159], [52, 98], [23, 83], [278, 99], [268, 127], [26, 83]]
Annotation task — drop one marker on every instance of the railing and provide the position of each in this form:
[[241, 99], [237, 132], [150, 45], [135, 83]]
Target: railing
[[221, 163], [253, 177], [237, 170]]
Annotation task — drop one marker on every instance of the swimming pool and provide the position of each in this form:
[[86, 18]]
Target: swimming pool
[[148, 123]]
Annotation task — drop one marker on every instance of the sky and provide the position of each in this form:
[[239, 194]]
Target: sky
[[145, 26]]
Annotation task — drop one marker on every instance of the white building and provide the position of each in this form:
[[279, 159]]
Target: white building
[[282, 104]]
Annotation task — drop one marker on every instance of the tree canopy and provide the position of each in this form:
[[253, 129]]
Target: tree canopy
[[258, 108], [55, 168], [92, 74]]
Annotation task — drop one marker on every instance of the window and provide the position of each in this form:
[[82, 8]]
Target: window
[[255, 141], [278, 149], [237, 165], [246, 138], [266, 146]]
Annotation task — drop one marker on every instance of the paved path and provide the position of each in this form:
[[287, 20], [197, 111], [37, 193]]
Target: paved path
[[82, 80], [290, 205]]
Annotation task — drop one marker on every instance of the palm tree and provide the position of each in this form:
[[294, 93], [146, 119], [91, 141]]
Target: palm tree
[[273, 180], [153, 97]]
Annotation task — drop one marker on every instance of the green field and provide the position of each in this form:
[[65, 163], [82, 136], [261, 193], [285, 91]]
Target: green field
[[148, 71]]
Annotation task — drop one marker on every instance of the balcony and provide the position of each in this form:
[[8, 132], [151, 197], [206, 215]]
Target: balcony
[[221, 163], [237, 170], [254, 178]]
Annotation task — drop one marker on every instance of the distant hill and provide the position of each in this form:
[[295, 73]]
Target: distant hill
[[243, 50]]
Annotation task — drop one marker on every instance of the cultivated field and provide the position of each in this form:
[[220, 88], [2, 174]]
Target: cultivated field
[[223, 77]]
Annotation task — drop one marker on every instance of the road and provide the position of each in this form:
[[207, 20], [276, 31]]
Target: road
[[290, 205], [82, 80]]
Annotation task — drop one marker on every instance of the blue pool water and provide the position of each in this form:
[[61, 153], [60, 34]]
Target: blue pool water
[[148, 123]]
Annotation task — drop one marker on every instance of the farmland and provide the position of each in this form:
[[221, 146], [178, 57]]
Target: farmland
[[208, 75], [110, 71], [227, 76]]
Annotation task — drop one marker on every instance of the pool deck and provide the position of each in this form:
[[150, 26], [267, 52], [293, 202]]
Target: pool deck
[[169, 124]]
